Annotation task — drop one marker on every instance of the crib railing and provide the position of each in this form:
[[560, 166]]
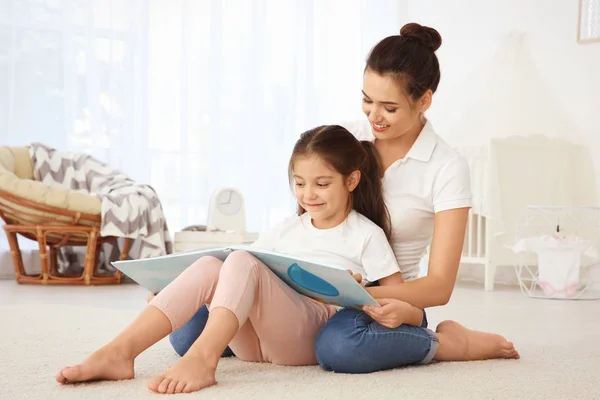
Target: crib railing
[[476, 248], [475, 245]]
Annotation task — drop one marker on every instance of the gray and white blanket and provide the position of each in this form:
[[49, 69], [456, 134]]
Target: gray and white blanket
[[129, 210]]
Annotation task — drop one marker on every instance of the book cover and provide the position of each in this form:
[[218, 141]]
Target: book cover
[[321, 282]]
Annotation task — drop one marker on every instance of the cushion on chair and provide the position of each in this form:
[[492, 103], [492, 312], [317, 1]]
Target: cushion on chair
[[17, 160], [7, 160], [16, 177]]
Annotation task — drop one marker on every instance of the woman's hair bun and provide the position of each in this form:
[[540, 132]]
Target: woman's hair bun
[[424, 35]]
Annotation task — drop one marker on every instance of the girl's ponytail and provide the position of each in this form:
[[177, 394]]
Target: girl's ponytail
[[367, 197]]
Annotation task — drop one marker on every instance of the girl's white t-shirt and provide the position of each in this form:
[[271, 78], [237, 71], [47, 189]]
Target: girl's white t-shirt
[[433, 177], [357, 244]]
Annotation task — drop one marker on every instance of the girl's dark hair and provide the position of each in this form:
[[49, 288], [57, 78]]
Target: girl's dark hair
[[410, 58], [346, 154]]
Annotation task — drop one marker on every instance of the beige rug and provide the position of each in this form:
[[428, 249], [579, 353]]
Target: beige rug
[[559, 361]]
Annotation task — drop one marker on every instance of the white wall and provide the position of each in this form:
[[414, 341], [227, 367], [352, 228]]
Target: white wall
[[472, 31]]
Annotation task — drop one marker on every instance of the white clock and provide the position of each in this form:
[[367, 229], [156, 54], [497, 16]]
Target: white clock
[[226, 211]]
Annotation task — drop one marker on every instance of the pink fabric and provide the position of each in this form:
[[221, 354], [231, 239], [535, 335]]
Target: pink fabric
[[277, 324]]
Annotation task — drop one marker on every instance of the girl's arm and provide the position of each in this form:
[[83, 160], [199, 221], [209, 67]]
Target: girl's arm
[[436, 288]]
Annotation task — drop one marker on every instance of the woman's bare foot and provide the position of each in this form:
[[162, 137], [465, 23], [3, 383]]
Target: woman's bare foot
[[458, 343], [107, 363], [190, 374]]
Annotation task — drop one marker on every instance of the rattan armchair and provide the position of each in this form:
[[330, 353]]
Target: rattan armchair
[[54, 217]]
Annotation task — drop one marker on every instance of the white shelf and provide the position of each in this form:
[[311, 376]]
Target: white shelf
[[191, 240]]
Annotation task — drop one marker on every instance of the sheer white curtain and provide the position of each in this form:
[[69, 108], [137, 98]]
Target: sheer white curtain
[[72, 75], [187, 95]]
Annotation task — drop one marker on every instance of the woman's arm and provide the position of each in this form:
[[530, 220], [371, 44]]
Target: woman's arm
[[436, 288], [394, 313], [393, 279]]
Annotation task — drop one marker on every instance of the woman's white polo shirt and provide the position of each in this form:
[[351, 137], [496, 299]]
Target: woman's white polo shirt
[[432, 177]]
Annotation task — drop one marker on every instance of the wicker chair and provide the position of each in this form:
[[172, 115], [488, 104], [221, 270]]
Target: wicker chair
[[53, 217]]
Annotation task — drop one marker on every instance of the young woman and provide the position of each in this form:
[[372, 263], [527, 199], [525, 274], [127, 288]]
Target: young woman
[[428, 193], [342, 220]]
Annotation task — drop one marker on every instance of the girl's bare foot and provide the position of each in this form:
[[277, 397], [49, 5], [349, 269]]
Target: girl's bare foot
[[190, 374], [458, 343], [106, 363]]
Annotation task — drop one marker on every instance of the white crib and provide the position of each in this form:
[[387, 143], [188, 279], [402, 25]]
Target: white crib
[[507, 176]]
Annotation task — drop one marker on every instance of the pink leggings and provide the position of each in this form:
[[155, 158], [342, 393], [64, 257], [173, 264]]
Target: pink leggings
[[277, 324]]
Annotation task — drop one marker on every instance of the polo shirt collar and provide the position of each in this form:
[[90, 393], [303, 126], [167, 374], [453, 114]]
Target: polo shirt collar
[[423, 147]]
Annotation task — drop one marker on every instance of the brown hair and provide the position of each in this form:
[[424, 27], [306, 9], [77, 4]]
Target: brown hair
[[410, 58], [346, 154]]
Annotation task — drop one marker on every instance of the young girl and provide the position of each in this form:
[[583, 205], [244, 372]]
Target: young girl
[[427, 188], [342, 221]]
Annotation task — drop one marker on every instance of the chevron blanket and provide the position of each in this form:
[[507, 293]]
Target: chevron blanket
[[129, 210]]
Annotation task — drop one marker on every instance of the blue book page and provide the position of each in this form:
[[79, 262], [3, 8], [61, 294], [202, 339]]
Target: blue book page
[[323, 283], [157, 272]]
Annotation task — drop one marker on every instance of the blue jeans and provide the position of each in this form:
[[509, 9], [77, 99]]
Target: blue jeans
[[351, 342], [183, 338]]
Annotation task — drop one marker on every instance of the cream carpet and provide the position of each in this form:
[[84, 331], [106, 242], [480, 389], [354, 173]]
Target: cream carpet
[[558, 342]]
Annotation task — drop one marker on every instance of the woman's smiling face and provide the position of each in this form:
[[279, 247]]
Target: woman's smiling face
[[390, 111]]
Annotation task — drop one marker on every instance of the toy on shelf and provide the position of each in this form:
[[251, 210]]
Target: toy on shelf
[[226, 224]]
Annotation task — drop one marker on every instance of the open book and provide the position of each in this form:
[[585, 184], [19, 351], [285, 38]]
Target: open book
[[323, 283]]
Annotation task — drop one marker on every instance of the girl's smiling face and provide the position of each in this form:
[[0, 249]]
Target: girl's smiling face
[[322, 191]]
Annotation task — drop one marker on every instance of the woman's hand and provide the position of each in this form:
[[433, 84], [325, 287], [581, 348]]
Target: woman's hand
[[150, 297], [393, 313]]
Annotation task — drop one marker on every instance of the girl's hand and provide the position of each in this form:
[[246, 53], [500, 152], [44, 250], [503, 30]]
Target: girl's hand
[[392, 312], [150, 297], [357, 277]]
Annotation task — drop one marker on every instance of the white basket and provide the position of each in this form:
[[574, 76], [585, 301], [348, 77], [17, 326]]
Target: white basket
[[556, 244]]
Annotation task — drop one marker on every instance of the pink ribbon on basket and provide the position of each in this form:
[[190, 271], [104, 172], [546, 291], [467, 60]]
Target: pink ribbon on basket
[[549, 290]]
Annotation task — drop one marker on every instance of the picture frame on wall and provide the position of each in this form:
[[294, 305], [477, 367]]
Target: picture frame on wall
[[588, 26]]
